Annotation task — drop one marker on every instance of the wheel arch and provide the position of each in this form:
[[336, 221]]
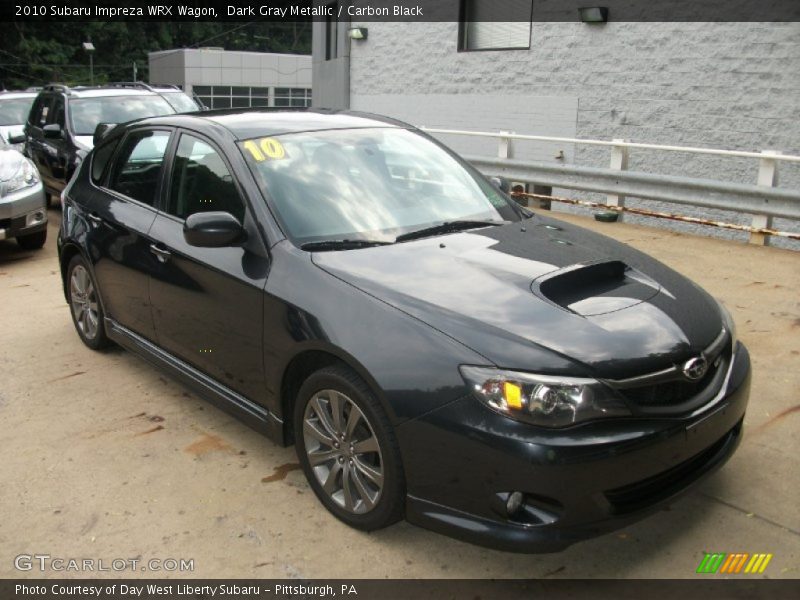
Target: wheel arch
[[308, 361], [68, 252]]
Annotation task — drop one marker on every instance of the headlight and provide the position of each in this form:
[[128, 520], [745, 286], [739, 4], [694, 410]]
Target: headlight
[[544, 400], [26, 176], [727, 319]]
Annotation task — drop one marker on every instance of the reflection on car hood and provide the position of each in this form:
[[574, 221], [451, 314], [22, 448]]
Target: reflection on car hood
[[10, 163], [509, 292]]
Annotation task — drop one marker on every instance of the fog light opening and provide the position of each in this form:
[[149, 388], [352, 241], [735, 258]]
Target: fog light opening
[[514, 502], [35, 218]]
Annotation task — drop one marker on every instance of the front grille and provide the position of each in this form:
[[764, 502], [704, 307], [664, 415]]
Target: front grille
[[669, 391], [649, 491]]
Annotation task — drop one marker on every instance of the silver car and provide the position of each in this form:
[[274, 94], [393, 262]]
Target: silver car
[[22, 206]]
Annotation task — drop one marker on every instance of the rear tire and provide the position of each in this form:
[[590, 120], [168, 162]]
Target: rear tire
[[32, 241], [341, 428], [84, 302]]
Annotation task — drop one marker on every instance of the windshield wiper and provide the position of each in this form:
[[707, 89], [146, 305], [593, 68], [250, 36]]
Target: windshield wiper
[[446, 227], [342, 244]]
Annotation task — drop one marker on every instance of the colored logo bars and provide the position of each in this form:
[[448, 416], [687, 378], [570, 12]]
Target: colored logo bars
[[735, 563]]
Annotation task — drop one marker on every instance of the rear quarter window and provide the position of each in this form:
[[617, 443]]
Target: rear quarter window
[[100, 158]]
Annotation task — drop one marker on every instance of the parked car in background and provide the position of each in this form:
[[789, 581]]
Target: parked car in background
[[62, 122], [177, 98], [14, 110], [22, 207], [346, 283]]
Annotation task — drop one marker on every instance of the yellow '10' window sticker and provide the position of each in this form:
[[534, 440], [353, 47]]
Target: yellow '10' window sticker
[[265, 149]]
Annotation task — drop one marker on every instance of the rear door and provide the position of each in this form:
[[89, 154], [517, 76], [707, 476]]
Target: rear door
[[37, 148], [120, 219], [56, 152], [208, 302]]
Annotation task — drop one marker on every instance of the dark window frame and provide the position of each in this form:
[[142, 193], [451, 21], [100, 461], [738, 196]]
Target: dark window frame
[[462, 33]]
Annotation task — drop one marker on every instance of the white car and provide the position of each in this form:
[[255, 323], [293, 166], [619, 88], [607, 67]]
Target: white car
[[14, 109], [22, 205]]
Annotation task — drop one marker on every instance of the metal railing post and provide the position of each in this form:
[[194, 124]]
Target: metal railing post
[[504, 148], [619, 162], [768, 176]]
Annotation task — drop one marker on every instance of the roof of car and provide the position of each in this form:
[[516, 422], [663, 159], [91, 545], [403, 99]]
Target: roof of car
[[11, 95], [252, 123], [108, 91]]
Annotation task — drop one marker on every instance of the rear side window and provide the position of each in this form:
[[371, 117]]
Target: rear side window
[[137, 170], [201, 181], [100, 158]]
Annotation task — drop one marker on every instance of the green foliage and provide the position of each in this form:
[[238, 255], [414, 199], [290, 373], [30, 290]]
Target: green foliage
[[34, 53]]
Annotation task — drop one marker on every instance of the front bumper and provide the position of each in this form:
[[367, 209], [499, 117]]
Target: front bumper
[[23, 212], [463, 460]]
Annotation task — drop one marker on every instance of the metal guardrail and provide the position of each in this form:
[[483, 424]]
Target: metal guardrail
[[763, 200]]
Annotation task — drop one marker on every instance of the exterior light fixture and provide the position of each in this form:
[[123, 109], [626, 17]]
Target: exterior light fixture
[[594, 14], [357, 33], [89, 47]]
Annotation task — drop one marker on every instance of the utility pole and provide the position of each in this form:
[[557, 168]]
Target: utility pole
[[89, 47]]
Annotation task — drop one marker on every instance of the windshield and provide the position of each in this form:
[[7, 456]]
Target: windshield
[[181, 102], [368, 184], [15, 112], [87, 113]]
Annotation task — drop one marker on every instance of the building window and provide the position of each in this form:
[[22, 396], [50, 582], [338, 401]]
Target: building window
[[296, 97], [331, 32], [225, 96], [489, 25]]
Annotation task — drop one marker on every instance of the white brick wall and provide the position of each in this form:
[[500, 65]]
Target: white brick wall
[[725, 85]]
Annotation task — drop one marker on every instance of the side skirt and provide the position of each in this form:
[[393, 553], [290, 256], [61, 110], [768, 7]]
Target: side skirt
[[250, 413]]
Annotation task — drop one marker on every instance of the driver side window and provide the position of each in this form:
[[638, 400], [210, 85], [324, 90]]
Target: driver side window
[[201, 181]]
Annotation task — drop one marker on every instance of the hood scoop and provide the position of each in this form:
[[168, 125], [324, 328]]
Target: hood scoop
[[596, 288]]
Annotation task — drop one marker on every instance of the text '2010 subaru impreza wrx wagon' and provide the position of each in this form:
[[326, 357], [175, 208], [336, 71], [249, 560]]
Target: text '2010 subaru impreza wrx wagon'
[[345, 283]]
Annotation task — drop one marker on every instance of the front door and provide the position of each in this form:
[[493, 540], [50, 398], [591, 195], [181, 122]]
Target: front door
[[208, 302]]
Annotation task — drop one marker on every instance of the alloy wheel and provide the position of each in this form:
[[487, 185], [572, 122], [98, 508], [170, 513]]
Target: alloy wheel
[[343, 451], [83, 301]]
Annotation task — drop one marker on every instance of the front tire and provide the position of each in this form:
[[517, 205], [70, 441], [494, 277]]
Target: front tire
[[32, 241], [348, 450], [84, 302]]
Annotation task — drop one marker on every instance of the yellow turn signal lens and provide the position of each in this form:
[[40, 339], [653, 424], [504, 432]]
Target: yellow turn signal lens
[[512, 394]]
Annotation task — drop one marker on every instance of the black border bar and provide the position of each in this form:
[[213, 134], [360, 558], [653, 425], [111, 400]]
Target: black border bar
[[706, 587], [365, 11]]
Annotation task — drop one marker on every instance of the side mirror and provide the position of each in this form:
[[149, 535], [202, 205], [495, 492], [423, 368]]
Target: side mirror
[[52, 131], [16, 139], [211, 229], [501, 183], [101, 130]]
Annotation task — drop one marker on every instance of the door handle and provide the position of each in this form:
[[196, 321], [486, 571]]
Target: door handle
[[95, 218], [162, 254]]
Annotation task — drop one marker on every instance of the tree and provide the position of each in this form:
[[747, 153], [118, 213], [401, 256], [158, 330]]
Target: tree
[[36, 53]]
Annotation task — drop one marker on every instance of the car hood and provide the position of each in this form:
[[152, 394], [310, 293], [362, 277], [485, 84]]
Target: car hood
[[8, 130], [11, 161], [514, 291]]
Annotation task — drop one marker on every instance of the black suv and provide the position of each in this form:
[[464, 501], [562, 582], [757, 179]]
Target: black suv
[[62, 122]]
